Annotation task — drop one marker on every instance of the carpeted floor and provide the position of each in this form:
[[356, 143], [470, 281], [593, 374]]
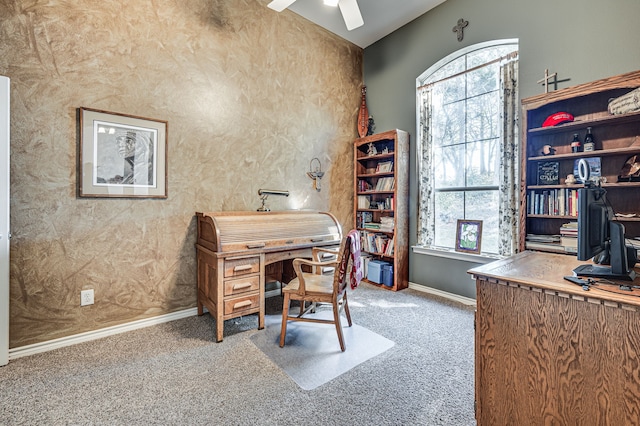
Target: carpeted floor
[[175, 373]]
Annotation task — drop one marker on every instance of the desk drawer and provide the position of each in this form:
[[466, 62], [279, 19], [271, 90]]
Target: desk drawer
[[240, 304], [241, 285], [241, 266]]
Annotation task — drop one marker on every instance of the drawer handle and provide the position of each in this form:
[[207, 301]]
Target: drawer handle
[[242, 304], [242, 268], [317, 240], [254, 246], [241, 286]]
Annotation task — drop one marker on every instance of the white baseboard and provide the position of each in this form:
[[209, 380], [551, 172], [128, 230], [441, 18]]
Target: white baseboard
[[49, 345], [446, 295]]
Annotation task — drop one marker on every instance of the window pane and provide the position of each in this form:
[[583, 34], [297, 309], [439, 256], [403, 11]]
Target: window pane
[[453, 89], [449, 208], [483, 117], [482, 163], [483, 205], [453, 67], [482, 80], [483, 56], [449, 166], [448, 124]]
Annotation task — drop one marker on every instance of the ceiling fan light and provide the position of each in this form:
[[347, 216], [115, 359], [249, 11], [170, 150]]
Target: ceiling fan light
[[332, 3]]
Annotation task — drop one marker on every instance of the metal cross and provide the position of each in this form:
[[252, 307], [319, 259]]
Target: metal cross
[[545, 80], [459, 28]]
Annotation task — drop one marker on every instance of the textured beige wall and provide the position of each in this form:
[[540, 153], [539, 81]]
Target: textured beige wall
[[251, 96]]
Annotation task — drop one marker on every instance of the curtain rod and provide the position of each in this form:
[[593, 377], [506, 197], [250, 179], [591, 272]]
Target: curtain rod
[[508, 56]]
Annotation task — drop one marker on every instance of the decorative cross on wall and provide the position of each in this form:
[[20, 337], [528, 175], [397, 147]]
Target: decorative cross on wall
[[545, 80], [459, 28]]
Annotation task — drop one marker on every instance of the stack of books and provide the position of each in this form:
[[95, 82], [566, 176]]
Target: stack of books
[[371, 225], [635, 243], [569, 236], [386, 224], [550, 243]]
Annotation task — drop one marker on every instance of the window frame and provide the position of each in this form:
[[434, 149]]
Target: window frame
[[425, 79]]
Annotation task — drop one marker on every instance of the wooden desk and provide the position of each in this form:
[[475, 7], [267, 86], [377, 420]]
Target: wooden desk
[[548, 352], [234, 248]]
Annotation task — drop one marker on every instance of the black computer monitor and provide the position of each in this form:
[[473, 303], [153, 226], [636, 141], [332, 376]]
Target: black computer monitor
[[600, 235]]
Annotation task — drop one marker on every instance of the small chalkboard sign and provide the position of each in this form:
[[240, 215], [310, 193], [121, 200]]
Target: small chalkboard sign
[[548, 173]]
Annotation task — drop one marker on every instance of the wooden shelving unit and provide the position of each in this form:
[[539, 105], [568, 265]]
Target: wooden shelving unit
[[617, 138], [381, 188]]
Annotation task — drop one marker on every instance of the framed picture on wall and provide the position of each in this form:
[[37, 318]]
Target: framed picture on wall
[[468, 236], [122, 155]]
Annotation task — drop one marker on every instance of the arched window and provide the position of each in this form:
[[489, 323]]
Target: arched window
[[468, 147]]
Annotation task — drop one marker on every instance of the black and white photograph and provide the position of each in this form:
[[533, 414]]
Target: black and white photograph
[[122, 155]]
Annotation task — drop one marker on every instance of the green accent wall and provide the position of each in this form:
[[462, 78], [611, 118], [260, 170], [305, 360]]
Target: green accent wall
[[581, 40]]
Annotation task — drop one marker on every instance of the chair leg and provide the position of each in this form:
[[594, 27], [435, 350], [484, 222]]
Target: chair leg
[[345, 305], [336, 319], [285, 315]]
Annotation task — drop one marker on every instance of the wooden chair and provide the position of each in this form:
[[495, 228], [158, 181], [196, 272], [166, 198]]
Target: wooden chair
[[315, 287]]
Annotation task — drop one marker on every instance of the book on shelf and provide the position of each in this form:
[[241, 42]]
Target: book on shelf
[[364, 201], [388, 251], [550, 247], [385, 184], [543, 238], [569, 229], [364, 186], [569, 241], [553, 202]]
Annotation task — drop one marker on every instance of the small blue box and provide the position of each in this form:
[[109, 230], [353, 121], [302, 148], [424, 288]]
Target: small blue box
[[387, 275], [374, 271]]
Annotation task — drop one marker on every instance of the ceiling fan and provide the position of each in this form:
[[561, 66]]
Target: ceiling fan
[[349, 9]]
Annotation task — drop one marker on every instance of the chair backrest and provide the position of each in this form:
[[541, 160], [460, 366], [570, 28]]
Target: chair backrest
[[342, 273]]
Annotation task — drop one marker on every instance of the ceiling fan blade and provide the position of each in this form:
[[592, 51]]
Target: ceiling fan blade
[[351, 14], [280, 5]]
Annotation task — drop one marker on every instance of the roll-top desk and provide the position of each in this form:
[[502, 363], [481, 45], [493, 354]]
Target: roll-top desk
[[548, 352], [233, 249]]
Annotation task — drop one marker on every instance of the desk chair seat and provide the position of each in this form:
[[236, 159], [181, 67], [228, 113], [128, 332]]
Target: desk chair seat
[[314, 287]]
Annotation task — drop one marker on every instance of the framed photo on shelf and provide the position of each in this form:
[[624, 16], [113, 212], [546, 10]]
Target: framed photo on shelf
[[468, 236], [122, 155], [384, 167]]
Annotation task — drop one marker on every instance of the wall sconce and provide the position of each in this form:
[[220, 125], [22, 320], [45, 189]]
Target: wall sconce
[[264, 193], [315, 173]]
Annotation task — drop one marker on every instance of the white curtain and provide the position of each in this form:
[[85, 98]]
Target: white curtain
[[426, 193], [509, 163]]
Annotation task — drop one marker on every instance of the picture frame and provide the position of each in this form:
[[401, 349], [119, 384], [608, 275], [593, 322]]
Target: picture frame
[[468, 236], [121, 155]]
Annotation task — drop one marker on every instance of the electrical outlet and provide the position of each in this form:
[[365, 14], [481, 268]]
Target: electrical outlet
[[86, 297]]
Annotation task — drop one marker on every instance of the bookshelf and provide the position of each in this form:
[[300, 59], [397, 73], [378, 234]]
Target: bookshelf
[[548, 197], [381, 209]]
